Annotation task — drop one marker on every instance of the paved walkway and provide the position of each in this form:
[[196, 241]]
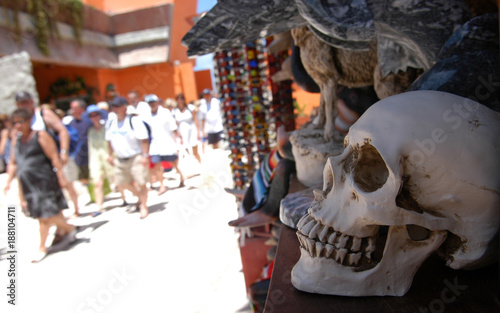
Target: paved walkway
[[182, 258]]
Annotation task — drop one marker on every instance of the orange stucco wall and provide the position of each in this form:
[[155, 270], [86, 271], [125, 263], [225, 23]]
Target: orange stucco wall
[[146, 79], [98, 4], [105, 77], [163, 79], [203, 80], [188, 81], [305, 103], [117, 6], [181, 25], [46, 74]]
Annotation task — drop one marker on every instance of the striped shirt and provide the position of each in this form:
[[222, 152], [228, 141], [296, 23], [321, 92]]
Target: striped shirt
[[263, 177]]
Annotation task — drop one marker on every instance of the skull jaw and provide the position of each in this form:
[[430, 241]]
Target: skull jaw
[[391, 277]]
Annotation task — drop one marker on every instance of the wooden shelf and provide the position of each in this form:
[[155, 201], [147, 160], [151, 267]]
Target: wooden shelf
[[254, 255]]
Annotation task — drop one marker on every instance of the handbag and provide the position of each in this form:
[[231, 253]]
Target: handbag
[[3, 166]]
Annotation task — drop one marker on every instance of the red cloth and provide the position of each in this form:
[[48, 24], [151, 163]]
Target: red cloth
[[167, 166]]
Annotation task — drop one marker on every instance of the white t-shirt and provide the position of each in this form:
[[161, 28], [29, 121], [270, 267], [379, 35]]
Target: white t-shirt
[[162, 126], [111, 116], [67, 119], [126, 142], [212, 115], [142, 109], [186, 125], [37, 122]]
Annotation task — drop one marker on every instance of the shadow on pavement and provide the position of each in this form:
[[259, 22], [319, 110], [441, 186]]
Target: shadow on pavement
[[159, 207], [81, 237]]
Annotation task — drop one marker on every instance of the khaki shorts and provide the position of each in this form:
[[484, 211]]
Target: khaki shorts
[[130, 170], [70, 170]]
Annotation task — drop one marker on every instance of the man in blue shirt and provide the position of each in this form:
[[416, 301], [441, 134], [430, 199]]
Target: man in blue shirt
[[81, 123]]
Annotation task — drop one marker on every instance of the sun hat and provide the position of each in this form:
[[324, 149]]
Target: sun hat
[[93, 108], [151, 98]]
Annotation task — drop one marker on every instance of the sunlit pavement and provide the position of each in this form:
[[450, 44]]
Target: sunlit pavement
[[182, 258]]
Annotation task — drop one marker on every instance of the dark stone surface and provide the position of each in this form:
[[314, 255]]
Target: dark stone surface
[[411, 33], [478, 34], [408, 33], [469, 64], [232, 23], [295, 205], [342, 24]]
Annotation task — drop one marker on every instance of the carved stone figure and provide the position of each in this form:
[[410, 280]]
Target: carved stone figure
[[419, 174], [352, 43], [311, 152], [330, 67]]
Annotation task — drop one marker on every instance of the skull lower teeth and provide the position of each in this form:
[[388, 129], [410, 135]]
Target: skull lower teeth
[[323, 241]]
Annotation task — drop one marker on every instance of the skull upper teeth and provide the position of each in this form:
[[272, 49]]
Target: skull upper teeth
[[314, 230], [323, 241], [308, 227], [343, 241], [333, 237], [323, 233], [372, 241], [356, 244]]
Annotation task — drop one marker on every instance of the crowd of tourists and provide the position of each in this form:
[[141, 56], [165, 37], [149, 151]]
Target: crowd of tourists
[[124, 143]]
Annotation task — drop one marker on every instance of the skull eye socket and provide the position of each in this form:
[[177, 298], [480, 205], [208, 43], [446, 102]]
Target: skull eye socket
[[370, 172]]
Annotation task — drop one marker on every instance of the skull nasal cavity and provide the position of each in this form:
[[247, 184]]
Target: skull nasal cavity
[[370, 172]]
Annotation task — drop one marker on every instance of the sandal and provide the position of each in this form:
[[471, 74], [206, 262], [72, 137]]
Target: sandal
[[162, 191], [40, 255]]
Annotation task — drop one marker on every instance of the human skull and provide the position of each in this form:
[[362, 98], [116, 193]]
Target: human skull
[[419, 173]]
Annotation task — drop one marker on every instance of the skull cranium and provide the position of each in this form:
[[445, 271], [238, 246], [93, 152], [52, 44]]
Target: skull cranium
[[419, 173]]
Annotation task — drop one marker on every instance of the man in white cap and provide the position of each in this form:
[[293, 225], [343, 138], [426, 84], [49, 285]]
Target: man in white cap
[[210, 118], [129, 152], [163, 143]]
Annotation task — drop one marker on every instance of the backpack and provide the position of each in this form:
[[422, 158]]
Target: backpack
[[146, 124], [74, 143]]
